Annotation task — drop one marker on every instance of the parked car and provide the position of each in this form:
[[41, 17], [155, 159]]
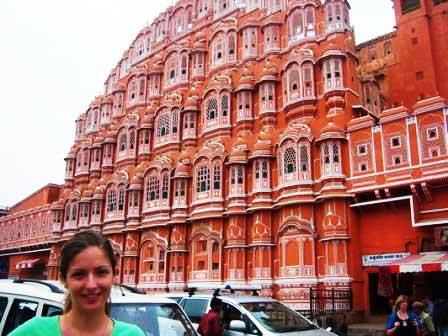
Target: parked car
[[21, 300], [247, 315]]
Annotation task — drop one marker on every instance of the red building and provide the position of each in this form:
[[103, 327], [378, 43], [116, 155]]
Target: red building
[[254, 143]]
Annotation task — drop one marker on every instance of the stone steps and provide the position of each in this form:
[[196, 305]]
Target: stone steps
[[366, 329]]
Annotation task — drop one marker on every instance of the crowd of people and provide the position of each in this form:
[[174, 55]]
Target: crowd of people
[[419, 318]]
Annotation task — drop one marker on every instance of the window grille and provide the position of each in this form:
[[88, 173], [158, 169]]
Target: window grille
[[289, 160], [165, 186], [132, 140], [175, 121], [203, 179], [304, 159], [153, 188], [121, 194], [163, 125], [212, 107], [123, 141], [225, 105], [216, 177]]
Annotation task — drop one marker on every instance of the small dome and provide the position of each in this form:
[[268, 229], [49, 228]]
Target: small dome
[[182, 170], [331, 131]]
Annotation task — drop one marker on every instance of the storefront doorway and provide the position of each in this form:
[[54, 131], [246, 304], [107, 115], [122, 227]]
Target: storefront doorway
[[379, 305], [416, 285]]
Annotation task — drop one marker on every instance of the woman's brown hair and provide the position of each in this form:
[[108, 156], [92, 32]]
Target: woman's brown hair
[[78, 243]]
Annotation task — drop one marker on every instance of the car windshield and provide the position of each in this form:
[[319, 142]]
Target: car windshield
[[278, 318], [155, 319]]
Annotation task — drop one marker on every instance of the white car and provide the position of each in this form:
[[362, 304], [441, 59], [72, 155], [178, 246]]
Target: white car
[[21, 300], [247, 315]]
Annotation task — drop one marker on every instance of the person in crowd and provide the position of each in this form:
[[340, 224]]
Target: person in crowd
[[441, 316], [429, 305], [210, 323], [426, 319], [87, 269], [402, 322]]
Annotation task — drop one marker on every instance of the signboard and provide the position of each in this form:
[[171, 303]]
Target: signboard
[[382, 259]]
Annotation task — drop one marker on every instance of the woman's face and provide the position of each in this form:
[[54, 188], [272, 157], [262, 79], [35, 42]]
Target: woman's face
[[403, 305], [89, 280]]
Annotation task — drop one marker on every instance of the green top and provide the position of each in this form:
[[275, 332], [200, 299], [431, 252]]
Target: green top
[[428, 325], [49, 326]]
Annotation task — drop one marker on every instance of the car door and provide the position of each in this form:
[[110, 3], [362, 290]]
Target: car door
[[3, 310], [195, 308], [233, 313], [22, 309]]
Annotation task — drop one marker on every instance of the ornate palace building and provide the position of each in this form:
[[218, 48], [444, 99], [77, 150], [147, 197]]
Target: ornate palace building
[[251, 142]]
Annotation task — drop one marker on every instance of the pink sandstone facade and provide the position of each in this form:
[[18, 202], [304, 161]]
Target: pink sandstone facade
[[252, 142]]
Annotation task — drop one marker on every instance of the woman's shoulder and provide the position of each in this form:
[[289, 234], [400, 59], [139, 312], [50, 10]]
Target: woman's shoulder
[[126, 329], [38, 326]]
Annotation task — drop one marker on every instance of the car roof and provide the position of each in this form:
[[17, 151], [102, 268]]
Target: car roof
[[235, 298], [7, 286], [41, 291]]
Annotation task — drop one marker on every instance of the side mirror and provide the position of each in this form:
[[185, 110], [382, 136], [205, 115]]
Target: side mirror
[[237, 325]]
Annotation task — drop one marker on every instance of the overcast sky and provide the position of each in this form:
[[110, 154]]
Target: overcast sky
[[55, 56]]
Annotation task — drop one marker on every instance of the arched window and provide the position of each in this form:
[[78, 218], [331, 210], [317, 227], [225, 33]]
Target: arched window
[[304, 161], [212, 109], [154, 188], [165, 186], [111, 201], [171, 70], [237, 180], [332, 73], [216, 177], [123, 140], [296, 25], [307, 80], [267, 102], [231, 47], [184, 67], [203, 179], [309, 21], [290, 161], [225, 105], [331, 161], [132, 90], [163, 125]]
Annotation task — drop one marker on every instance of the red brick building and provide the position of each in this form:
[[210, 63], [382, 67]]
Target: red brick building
[[252, 143]]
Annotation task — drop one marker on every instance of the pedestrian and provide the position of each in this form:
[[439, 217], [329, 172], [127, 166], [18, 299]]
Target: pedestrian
[[87, 269], [441, 317], [210, 323], [426, 320], [429, 306], [402, 322]]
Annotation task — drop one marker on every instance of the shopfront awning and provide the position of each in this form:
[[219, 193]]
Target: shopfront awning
[[423, 262], [26, 263]]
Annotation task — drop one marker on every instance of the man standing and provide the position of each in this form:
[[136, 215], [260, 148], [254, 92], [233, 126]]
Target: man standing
[[427, 324], [209, 325]]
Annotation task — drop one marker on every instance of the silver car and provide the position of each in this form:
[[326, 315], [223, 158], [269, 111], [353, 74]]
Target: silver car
[[245, 315]]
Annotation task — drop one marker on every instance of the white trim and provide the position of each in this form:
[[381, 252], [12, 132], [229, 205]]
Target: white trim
[[387, 200], [408, 144], [433, 210], [25, 252], [428, 164], [419, 141]]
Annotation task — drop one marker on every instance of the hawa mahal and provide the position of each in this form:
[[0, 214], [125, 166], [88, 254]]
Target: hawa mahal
[[253, 143]]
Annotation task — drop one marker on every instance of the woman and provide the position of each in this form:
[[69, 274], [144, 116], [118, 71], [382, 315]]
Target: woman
[[87, 269], [402, 322]]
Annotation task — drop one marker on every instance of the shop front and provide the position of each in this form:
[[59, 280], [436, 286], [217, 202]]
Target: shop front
[[415, 275]]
